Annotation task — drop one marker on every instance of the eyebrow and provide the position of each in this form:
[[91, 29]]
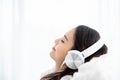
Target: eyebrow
[[66, 37]]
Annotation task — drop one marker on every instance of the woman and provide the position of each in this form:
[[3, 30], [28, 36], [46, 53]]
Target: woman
[[78, 38]]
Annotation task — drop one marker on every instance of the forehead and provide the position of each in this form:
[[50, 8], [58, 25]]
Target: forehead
[[70, 34]]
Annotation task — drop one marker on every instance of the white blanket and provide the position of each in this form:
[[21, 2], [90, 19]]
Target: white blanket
[[99, 68], [102, 68]]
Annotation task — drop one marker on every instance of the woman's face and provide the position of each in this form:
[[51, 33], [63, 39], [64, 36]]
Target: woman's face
[[62, 46]]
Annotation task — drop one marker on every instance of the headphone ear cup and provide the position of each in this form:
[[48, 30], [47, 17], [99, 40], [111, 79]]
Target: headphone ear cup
[[74, 59]]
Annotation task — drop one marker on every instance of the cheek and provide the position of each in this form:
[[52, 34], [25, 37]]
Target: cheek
[[60, 53]]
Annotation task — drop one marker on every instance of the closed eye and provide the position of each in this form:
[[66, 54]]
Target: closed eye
[[62, 41]]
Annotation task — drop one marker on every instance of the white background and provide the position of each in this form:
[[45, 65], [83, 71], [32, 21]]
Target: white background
[[28, 29]]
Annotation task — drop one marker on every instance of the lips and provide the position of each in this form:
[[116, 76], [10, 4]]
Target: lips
[[53, 48]]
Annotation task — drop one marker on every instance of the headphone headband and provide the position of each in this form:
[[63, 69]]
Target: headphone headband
[[93, 48]]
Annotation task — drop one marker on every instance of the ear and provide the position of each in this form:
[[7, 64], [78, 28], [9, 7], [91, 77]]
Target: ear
[[74, 59]]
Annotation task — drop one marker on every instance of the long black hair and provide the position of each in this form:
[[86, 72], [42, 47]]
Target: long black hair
[[84, 37]]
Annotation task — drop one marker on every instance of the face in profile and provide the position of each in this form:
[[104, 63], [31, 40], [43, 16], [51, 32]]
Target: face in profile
[[62, 46]]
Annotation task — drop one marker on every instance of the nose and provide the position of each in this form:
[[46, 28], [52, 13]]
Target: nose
[[56, 41]]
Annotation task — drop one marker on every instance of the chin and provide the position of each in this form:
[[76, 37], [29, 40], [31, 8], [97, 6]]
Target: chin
[[52, 55]]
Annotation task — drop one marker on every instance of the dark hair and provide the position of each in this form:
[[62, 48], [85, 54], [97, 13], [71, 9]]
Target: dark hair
[[84, 38]]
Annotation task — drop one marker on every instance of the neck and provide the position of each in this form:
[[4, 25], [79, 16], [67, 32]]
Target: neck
[[58, 67]]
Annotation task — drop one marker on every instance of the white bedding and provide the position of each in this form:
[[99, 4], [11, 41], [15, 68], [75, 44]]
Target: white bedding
[[102, 68], [99, 68]]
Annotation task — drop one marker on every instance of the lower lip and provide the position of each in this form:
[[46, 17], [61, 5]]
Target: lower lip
[[53, 49]]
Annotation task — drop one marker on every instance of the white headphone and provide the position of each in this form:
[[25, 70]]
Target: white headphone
[[75, 58]]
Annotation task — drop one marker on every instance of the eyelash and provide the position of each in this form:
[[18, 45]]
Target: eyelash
[[62, 41]]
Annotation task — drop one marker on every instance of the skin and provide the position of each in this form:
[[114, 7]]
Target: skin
[[61, 47]]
